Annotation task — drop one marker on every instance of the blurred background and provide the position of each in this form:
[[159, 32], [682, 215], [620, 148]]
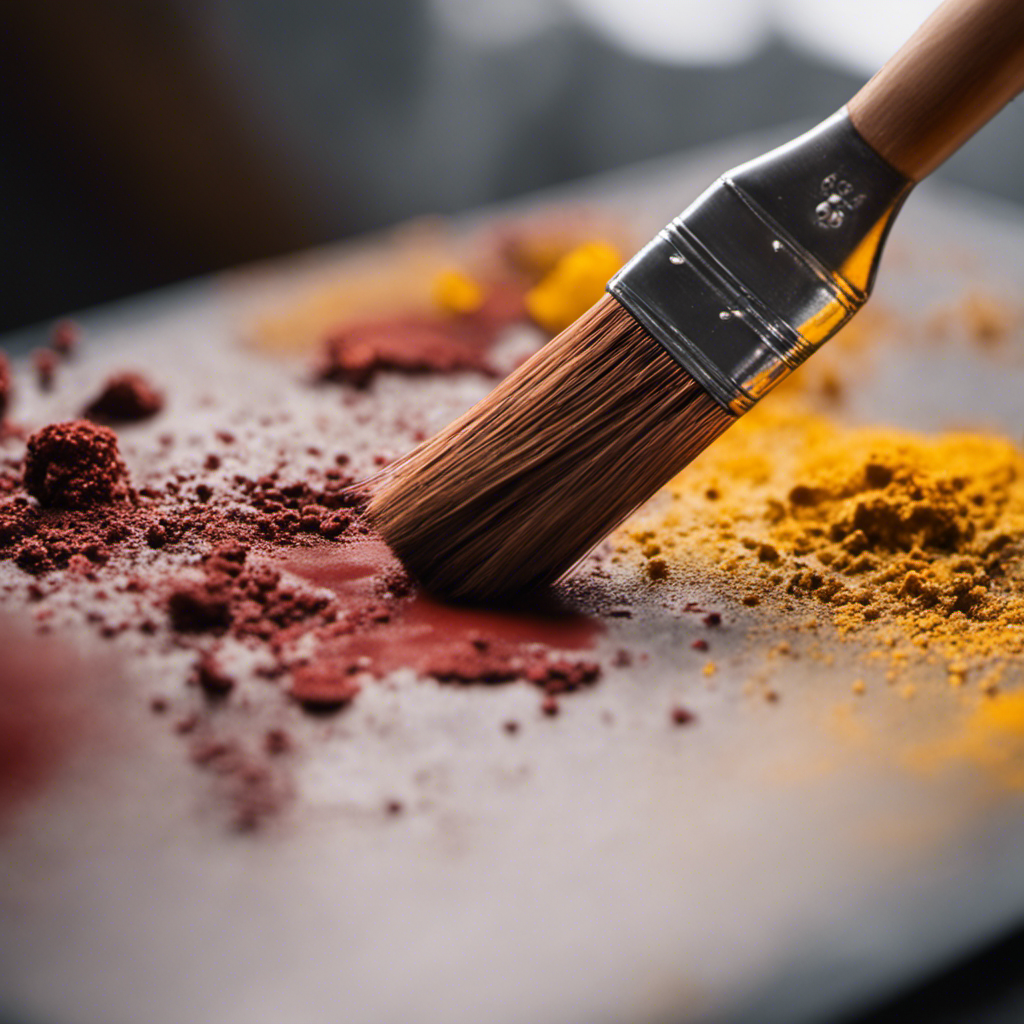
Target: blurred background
[[150, 140]]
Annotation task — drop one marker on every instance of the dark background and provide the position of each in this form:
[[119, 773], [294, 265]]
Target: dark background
[[144, 141]]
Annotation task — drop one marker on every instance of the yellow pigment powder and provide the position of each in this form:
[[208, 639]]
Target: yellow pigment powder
[[871, 525], [573, 285], [992, 738]]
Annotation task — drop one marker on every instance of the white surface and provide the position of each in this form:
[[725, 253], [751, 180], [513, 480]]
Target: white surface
[[608, 871]]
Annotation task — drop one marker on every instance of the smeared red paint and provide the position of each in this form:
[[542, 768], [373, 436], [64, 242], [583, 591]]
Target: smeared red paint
[[385, 624]]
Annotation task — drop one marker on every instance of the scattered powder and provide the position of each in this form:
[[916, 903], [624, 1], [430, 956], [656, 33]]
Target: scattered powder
[[247, 783], [286, 568], [873, 525]]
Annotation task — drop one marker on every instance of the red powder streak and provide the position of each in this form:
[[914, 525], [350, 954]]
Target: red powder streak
[[466, 644], [40, 722]]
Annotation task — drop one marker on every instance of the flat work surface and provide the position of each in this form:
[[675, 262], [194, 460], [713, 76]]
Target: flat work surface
[[762, 864]]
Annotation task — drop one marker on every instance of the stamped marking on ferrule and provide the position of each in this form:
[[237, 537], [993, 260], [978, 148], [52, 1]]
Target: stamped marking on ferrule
[[839, 200]]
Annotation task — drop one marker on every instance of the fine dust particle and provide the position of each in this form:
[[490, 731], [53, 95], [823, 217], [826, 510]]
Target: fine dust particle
[[65, 336], [988, 320], [681, 716], [699, 644], [710, 668], [908, 691], [211, 678], [859, 687], [277, 741], [657, 569], [549, 706], [45, 363]]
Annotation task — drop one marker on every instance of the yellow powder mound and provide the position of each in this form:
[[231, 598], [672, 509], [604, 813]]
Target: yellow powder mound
[[870, 524]]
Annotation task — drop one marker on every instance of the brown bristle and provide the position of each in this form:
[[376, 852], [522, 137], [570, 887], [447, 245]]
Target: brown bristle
[[521, 487]]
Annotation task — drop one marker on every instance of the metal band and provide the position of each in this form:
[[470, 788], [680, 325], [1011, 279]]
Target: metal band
[[768, 263]]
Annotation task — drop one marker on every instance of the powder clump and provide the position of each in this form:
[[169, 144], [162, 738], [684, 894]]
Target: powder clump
[[75, 465], [125, 397]]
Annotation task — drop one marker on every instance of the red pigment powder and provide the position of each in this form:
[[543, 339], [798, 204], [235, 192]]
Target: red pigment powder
[[64, 337], [355, 353], [45, 363], [250, 601], [125, 397], [211, 678], [74, 465], [40, 718], [41, 539], [5, 386], [286, 568], [250, 787]]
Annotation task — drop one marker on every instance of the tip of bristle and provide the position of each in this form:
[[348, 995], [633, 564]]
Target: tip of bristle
[[520, 488]]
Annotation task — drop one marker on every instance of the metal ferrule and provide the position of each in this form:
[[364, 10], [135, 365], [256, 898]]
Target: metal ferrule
[[768, 263]]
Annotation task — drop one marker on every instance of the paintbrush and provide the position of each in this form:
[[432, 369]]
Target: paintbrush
[[703, 322]]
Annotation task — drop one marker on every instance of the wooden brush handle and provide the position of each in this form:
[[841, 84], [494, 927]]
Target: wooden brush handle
[[953, 75]]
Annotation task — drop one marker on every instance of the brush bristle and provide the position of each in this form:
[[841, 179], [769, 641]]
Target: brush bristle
[[521, 487]]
